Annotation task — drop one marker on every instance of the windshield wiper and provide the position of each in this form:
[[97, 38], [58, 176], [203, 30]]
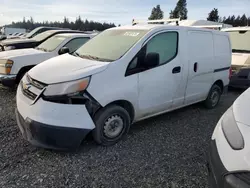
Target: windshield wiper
[[240, 51], [94, 58], [43, 49], [76, 54]]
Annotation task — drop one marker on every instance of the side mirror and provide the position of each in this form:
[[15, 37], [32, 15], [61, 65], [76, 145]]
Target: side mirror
[[152, 59], [63, 50]]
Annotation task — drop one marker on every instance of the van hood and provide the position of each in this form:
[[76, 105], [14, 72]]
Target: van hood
[[17, 53], [240, 58], [65, 68], [241, 108], [9, 42]]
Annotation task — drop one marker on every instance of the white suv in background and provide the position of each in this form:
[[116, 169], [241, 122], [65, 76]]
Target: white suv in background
[[121, 76], [15, 63]]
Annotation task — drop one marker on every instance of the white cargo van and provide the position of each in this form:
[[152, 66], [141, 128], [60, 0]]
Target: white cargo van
[[121, 76]]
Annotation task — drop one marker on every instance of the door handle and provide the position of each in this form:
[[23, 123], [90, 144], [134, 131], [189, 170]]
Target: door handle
[[176, 70], [195, 66]]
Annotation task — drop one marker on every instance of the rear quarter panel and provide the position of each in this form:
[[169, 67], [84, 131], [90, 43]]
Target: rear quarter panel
[[222, 57]]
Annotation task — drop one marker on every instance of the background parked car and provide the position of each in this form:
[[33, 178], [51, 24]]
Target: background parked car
[[229, 157], [240, 39], [39, 30], [15, 35], [9, 30], [20, 61], [12, 44], [3, 37]]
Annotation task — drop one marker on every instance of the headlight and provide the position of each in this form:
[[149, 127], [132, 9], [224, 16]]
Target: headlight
[[5, 66], [6, 48], [231, 130], [67, 88]]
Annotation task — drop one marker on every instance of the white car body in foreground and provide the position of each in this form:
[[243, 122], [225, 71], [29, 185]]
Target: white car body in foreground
[[121, 76], [229, 156], [15, 63]]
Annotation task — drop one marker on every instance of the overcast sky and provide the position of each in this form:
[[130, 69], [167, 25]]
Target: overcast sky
[[117, 11]]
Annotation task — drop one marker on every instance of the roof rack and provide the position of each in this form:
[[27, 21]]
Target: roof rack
[[207, 26], [210, 26], [134, 22]]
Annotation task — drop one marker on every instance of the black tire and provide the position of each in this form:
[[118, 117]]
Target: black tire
[[102, 119], [211, 102]]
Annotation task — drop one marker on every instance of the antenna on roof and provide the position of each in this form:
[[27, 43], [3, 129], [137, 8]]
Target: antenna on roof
[[135, 22]]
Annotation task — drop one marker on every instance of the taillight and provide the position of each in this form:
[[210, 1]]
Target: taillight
[[230, 72]]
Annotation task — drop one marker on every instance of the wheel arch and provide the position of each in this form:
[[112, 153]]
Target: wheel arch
[[220, 84], [126, 105], [23, 70]]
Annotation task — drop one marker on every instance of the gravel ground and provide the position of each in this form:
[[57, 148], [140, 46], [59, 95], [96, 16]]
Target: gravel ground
[[164, 151]]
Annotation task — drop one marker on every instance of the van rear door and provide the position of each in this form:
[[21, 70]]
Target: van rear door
[[201, 57]]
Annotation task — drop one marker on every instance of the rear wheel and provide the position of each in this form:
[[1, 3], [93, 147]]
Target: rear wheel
[[213, 97], [112, 123]]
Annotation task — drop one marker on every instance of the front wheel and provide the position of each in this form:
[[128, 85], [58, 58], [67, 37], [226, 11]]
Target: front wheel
[[213, 97], [112, 123]]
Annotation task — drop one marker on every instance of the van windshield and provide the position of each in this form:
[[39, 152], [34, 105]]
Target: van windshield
[[51, 44], [240, 41], [110, 45]]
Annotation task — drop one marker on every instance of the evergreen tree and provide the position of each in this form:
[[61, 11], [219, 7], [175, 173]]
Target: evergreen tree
[[243, 20], [180, 10], [237, 21], [156, 13], [232, 20], [223, 19], [79, 24], [213, 15], [65, 23], [173, 14]]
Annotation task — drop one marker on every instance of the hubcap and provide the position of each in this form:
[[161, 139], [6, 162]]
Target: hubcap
[[113, 126], [215, 98]]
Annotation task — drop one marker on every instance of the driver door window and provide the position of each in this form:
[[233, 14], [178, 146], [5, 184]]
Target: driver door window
[[165, 44], [76, 43]]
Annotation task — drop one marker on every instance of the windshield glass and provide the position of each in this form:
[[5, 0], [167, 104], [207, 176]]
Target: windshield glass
[[240, 41], [51, 44], [110, 45], [32, 32], [42, 36]]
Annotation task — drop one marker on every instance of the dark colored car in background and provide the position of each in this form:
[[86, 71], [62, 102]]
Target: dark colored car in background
[[12, 44], [39, 30]]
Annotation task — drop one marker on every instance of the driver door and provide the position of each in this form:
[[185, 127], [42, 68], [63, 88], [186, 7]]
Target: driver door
[[157, 86]]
